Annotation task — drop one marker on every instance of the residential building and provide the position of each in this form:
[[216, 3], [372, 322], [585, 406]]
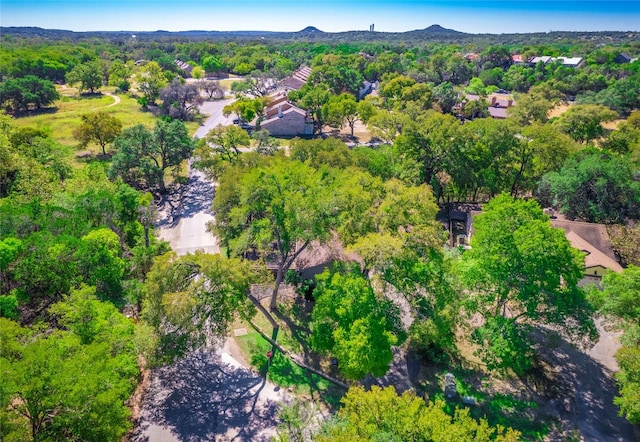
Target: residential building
[[284, 119], [572, 62], [543, 59], [498, 104], [593, 240], [297, 79], [622, 58], [186, 67]]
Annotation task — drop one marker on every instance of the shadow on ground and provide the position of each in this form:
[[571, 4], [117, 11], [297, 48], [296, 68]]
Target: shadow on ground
[[585, 392], [196, 196], [200, 398]]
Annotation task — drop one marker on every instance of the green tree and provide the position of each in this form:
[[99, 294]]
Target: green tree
[[620, 296], [101, 264], [282, 207], [141, 152], [520, 268], [394, 231], [593, 186], [10, 248], [69, 384], [382, 414], [387, 125], [212, 64], [354, 324], [445, 97], [192, 300], [120, 74], [150, 80], [101, 127], [583, 122], [247, 108], [227, 141], [88, 76], [473, 109], [541, 149], [340, 109], [312, 98], [19, 94], [339, 76], [428, 141], [197, 73], [629, 382]]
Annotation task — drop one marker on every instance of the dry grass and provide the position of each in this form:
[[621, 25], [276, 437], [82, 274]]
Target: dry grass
[[65, 114], [559, 110]]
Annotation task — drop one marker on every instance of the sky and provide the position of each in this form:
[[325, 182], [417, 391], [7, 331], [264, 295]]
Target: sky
[[495, 17]]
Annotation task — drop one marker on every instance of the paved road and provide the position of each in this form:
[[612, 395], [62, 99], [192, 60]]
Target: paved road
[[207, 396], [213, 110], [183, 224]]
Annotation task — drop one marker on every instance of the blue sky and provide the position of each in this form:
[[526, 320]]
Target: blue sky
[[498, 16]]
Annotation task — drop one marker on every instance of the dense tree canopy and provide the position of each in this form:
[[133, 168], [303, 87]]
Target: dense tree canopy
[[141, 153], [382, 414], [278, 209], [69, 384], [20, 94], [192, 300], [354, 324], [593, 186], [520, 268], [88, 76]]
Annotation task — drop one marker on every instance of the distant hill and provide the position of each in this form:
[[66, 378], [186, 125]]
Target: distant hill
[[311, 30], [433, 33], [437, 29]]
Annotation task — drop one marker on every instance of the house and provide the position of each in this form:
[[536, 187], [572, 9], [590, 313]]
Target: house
[[571, 62], [622, 58], [297, 79], [498, 105], [186, 67], [284, 119], [593, 240], [543, 59], [518, 59], [367, 88]]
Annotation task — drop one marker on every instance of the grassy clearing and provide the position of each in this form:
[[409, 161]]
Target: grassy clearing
[[281, 371], [64, 117]]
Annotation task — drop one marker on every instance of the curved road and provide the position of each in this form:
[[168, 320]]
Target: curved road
[[207, 395], [183, 223]]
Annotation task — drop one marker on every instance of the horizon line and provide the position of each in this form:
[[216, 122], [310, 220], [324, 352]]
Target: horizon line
[[445, 30]]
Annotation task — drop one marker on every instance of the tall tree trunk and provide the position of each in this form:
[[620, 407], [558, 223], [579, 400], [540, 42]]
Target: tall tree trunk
[[279, 277]]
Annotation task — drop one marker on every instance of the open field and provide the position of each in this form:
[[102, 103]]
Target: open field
[[65, 114]]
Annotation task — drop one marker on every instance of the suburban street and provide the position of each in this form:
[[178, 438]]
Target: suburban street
[[208, 395], [183, 221]]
